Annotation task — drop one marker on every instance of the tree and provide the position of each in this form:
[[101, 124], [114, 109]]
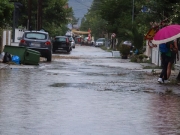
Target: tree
[[118, 15], [55, 15], [6, 9], [72, 19], [94, 21]]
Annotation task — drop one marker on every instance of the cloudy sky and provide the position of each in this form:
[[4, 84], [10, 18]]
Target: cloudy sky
[[80, 7]]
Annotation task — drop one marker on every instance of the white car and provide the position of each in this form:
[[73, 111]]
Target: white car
[[127, 43], [100, 42]]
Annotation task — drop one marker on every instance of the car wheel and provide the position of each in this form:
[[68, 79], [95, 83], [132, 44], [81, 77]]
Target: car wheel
[[54, 50], [49, 56], [68, 50]]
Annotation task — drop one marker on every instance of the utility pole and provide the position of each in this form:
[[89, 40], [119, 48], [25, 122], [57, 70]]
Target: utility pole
[[132, 12], [17, 5], [29, 15], [39, 15]]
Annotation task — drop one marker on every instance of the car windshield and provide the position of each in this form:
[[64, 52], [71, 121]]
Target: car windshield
[[60, 39], [70, 39], [86, 38], [101, 39], [35, 36]]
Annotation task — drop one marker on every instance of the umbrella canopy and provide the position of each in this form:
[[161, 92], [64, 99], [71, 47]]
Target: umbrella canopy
[[167, 34]]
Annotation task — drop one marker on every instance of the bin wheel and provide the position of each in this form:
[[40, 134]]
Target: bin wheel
[[49, 56]]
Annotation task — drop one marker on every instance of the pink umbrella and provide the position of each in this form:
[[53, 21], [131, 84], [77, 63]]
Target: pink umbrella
[[167, 34]]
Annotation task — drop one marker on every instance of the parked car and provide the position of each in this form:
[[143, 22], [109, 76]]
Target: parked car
[[100, 42], [78, 40], [127, 43], [72, 42], [86, 41], [39, 41], [62, 43]]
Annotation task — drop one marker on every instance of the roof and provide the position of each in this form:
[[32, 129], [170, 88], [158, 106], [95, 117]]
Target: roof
[[80, 32]]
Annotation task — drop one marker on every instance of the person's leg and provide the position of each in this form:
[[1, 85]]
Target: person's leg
[[164, 64], [169, 69], [165, 70], [171, 62], [163, 75]]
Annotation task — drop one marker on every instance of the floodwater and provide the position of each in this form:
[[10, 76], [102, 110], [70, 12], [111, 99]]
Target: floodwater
[[76, 95]]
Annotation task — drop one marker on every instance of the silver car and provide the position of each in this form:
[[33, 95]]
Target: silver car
[[100, 42], [72, 42], [38, 41]]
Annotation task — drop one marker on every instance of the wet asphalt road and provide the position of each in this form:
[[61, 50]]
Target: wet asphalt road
[[86, 92]]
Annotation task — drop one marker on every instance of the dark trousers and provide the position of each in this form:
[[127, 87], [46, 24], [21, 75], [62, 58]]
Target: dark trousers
[[164, 64]]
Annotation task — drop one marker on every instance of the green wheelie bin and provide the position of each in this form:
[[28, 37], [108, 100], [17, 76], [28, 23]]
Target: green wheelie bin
[[27, 56]]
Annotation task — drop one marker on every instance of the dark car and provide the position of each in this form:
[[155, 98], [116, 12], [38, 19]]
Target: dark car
[[39, 41], [61, 43]]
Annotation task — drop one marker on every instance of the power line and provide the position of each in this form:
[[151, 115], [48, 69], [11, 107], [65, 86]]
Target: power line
[[79, 9], [82, 4]]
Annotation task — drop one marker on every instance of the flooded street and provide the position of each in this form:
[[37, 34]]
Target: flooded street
[[86, 92]]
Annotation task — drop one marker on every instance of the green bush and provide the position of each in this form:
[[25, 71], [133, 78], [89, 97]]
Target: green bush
[[139, 58], [133, 58], [124, 49]]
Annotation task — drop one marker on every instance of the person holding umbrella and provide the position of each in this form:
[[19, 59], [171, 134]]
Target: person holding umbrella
[[165, 56], [165, 35], [169, 51]]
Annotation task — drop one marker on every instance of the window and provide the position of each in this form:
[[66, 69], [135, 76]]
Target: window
[[60, 39], [101, 39], [70, 39], [31, 35]]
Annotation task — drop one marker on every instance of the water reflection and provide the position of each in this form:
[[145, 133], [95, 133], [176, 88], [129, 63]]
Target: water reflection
[[33, 101], [165, 112]]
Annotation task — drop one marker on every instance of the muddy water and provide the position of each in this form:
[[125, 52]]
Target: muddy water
[[85, 93], [67, 99]]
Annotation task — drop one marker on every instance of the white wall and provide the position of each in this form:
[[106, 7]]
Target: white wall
[[177, 65], [6, 39], [154, 54], [18, 33]]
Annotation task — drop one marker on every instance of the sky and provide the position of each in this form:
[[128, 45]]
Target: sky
[[80, 7]]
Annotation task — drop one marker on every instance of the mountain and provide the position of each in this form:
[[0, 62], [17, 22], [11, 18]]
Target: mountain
[[80, 7]]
